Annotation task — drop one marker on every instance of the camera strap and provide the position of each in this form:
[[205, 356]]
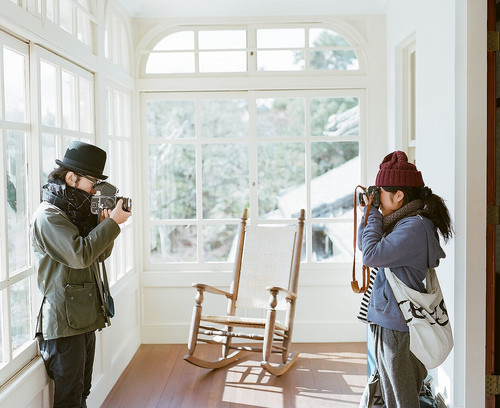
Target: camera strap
[[365, 269]]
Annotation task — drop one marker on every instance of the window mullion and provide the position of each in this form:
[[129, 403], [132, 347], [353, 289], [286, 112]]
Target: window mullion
[[252, 159], [199, 175], [7, 326], [4, 256], [308, 176]]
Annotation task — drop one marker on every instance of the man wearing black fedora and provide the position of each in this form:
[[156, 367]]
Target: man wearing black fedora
[[68, 241]]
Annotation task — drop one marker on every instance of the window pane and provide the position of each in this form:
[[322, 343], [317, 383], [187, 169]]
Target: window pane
[[334, 60], [182, 40], [170, 119], [281, 172], [86, 116], [172, 181], [280, 117], [69, 100], [20, 313], [335, 117], [170, 63], [335, 172], [222, 39], [65, 15], [48, 93], [281, 38], [280, 60], [332, 242], [14, 86], [320, 37], [173, 243], [109, 112], [224, 118], [17, 212], [119, 109], [50, 10], [48, 155], [129, 254], [223, 61], [84, 27], [219, 242], [225, 180]]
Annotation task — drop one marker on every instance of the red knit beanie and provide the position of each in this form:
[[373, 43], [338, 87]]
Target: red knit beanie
[[395, 171]]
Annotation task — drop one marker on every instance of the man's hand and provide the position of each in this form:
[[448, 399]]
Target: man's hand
[[117, 213]]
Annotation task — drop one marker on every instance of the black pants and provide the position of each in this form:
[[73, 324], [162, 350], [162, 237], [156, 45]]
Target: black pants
[[69, 362]]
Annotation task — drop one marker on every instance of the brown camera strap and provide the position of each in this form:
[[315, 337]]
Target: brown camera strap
[[365, 269]]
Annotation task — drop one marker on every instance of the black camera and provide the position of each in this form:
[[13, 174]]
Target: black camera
[[105, 198], [373, 191]]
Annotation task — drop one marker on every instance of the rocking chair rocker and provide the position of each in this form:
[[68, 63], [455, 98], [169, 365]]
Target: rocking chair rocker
[[265, 277]]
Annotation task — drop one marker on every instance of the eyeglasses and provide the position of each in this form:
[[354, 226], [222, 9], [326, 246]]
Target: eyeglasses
[[93, 180]]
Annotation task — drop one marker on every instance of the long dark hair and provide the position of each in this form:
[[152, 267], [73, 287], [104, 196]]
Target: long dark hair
[[434, 207]]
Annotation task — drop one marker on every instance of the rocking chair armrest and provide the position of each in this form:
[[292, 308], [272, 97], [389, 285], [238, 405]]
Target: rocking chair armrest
[[289, 293], [211, 289]]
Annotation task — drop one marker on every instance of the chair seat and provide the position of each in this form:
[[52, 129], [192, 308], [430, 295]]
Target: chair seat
[[241, 321]]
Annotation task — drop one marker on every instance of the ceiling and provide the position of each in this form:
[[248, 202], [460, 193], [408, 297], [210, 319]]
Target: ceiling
[[238, 8]]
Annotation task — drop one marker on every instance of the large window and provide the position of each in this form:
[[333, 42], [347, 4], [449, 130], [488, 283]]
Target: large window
[[209, 156], [16, 274], [63, 101], [274, 146]]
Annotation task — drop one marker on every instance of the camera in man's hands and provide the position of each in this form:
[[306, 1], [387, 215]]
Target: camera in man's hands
[[373, 191], [105, 198]]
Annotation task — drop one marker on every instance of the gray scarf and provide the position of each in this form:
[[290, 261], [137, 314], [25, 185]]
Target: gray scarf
[[412, 208]]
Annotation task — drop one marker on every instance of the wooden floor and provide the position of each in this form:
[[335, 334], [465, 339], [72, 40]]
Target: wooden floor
[[325, 375]]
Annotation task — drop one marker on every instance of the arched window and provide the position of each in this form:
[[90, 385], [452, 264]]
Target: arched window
[[201, 50], [258, 116]]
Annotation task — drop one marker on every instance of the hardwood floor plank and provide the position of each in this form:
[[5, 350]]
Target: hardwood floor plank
[[330, 375]]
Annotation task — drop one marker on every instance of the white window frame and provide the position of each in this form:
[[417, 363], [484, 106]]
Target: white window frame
[[28, 351], [252, 141], [356, 45], [338, 82]]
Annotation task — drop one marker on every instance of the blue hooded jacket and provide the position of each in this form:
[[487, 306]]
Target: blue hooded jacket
[[408, 250]]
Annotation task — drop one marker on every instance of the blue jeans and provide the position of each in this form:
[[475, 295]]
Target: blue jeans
[[69, 362]]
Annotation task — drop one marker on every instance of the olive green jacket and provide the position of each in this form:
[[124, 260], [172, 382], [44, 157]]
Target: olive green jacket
[[67, 264]]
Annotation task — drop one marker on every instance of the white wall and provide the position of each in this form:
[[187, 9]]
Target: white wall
[[451, 153]]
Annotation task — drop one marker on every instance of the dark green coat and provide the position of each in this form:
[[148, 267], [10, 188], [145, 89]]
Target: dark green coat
[[67, 264]]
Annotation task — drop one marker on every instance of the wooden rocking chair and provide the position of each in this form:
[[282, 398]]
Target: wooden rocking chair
[[265, 277]]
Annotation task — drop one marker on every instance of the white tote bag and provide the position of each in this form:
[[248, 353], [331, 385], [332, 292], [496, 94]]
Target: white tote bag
[[431, 339]]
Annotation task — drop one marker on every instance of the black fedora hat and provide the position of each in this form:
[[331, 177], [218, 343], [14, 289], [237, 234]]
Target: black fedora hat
[[84, 158]]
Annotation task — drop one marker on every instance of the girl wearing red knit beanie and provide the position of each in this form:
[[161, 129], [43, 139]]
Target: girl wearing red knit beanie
[[402, 234]]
